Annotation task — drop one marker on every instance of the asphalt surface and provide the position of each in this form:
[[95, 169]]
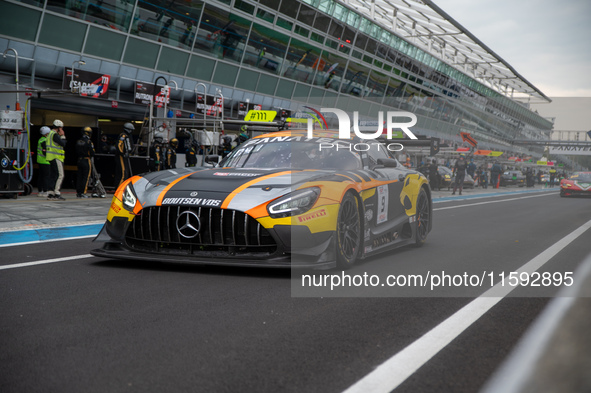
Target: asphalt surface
[[96, 325]]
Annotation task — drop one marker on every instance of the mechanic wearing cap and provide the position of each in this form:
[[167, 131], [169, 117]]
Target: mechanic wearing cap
[[44, 167], [170, 162], [56, 141], [460, 173], [84, 152], [122, 169]]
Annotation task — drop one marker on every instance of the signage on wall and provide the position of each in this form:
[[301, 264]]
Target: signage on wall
[[244, 107], [86, 83], [146, 92], [213, 106]]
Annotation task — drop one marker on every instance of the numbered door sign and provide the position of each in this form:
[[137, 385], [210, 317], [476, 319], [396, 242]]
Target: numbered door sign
[[266, 116]]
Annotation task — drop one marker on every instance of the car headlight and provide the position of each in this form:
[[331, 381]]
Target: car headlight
[[129, 199], [294, 203]]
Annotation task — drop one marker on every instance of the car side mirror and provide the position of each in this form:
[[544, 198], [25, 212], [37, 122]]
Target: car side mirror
[[387, 162], [212, 159]]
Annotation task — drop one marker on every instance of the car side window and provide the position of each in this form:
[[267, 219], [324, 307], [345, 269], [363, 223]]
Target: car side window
[[375, 152]]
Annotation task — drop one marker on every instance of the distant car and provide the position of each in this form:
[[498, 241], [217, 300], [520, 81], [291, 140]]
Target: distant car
[[445, 177], [578, 184], [513, 178], [545, 178]]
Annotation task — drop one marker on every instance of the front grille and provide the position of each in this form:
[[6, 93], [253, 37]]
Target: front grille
[[223, 233]]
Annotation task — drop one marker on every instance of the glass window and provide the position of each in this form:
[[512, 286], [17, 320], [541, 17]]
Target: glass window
[[285, 89], [348, 35], [244, 6], [301, 92], [247, 79], [267, 84], [326, 6], [306, 15], [361, 41], [223, 34], [302, 61], [330, 71], [302, 31], [340, 12], [62, 32], [201, 68], [173, 61], [140, 52], [336, 29], [354, 80], [322, 22], [225, 74], [377, 84], [265, 15], [274, 4], [353, 20], [289, 8], [284, 23], [112, 13], [20, 22], [167, 22], [266, 49], [105, 43], [371, 46], [317, 37]]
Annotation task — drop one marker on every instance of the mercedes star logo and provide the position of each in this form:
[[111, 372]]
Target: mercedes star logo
[[188, 224]]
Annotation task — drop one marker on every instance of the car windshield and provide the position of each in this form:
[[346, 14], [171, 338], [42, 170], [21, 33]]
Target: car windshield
[[293, 155], [581, 176]]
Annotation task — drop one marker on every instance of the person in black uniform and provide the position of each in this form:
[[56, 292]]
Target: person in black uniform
[[191, 154], [122, 152], [170, 162], [460, 173], [84, 152], [434, 176], [156, 153]]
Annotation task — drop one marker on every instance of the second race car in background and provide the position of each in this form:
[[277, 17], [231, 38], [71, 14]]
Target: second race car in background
[[578, 184]]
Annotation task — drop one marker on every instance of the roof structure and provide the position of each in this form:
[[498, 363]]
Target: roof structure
[[425, 25]]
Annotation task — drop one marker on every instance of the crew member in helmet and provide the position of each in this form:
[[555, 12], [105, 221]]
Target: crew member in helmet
[[85, 153], [191, 154], [170, 162], [156, 150], [44, 167], [55, 154], [122, 166]]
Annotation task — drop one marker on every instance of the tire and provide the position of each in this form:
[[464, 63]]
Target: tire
[[348, 237], [423, 218]]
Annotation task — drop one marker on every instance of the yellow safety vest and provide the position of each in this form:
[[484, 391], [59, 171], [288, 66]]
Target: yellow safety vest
[[54, 150], [41, 159]]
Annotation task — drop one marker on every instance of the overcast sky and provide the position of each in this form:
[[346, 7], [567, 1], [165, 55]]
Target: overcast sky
[[547, 41]]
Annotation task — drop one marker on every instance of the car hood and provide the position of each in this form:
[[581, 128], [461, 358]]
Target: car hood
[[218, 187]]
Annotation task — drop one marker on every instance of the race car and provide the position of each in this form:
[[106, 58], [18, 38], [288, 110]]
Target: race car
[[277, 200], [578, 184]]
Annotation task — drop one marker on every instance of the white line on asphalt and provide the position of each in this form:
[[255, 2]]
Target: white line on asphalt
[[64, 259], [394, 371], [47, 241], [487, 202]]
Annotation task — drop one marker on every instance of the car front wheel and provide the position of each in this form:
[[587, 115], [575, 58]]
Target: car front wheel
[[423, 218], [348, 232]]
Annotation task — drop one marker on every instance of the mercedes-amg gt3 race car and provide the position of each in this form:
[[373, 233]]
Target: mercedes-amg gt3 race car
[[277, 200]]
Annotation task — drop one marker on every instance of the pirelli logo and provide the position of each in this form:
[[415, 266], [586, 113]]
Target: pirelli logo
[[115, 208], [311, 216]]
